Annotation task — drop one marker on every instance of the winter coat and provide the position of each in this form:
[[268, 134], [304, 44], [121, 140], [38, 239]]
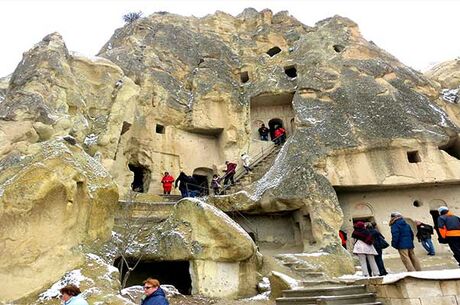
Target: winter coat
[[263, 131], [377, 237], [215, 183], [424, 231], [156, 298], [183, 180], [167, 182], [402, 236], [363, 241], [231, 168], [246, 159], [76, 300], [449, 225]]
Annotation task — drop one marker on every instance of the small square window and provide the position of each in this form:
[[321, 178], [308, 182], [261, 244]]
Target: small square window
[[413, 156], [290, 71], [244, 76], [160, 129]]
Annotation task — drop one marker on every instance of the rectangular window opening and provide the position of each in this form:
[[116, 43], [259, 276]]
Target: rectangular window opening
[[244, 76], [160, 129], [413, 156]]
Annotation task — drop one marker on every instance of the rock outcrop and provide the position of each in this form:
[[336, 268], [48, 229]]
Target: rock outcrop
[[52, 201]]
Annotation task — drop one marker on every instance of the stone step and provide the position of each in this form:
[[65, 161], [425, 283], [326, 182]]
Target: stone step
[[361, 298], [372, 303], [321, 283], [325, 291]]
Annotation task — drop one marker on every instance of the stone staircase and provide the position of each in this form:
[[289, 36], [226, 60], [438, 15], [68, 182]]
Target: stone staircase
[[259, 167], [332, 295], [142, 209]]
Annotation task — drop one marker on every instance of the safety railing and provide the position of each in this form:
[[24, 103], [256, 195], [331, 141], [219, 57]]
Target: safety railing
[[256, 159]]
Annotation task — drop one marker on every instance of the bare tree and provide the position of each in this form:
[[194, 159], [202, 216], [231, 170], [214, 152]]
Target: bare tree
[[131, 231]]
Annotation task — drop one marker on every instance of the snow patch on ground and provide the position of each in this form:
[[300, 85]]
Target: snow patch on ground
[[287, 279], [72, 277], [260, 297], [448, 274]]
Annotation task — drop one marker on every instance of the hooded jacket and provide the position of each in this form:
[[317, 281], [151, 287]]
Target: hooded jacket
[[402, 236], [156, 298]]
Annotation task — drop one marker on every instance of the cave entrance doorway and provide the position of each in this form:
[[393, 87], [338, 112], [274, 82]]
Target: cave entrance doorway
[[274, 109], [202, 176], [273, 124], [141, 179], [176, 273]]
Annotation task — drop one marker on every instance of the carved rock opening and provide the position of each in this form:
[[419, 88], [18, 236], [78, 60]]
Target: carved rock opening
[[273, 51], [175, 273], [141, 179]]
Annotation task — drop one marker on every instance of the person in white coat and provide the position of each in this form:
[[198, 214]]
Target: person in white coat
[[364, 249], [246, 162]]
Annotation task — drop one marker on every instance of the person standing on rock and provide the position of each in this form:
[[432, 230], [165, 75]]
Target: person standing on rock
[[402, 239], [424, 233], [263, 132], [364, 249], [449, 228], [167, 182], [70, 295], [153, 294]]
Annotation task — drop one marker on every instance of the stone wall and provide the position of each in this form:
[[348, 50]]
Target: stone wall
[[418, 291]]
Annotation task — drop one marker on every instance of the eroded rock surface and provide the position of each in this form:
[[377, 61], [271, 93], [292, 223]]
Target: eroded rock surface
[[51, 202]]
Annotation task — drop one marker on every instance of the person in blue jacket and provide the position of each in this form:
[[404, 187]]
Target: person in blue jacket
[[402, 239], [153, 294], [70, 295]]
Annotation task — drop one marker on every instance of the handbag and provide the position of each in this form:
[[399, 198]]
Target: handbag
[[383, 243]]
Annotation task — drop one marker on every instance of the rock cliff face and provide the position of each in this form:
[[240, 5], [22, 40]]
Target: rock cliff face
[[172, 93], [52, 201]]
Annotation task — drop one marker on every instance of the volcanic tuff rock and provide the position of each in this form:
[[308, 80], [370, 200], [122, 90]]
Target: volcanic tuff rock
[[175, 93], [52, 200]]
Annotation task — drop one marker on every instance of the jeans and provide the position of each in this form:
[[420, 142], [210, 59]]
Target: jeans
[[428, 245], [264, 137]]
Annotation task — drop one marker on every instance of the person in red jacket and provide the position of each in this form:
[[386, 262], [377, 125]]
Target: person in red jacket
[[167, 182], [229, 172]]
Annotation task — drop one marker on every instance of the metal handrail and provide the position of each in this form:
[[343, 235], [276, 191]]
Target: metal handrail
[[256, 159]]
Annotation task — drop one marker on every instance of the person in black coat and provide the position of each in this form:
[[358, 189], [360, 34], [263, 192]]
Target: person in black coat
[[424, 233], [183, 180], [378, 237]]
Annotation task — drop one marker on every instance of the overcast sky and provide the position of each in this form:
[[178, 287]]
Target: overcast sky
[[419, 33]]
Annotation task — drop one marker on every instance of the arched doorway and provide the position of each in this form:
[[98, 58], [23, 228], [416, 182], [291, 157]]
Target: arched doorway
[[273, 124], [141, 179], [202, 176]]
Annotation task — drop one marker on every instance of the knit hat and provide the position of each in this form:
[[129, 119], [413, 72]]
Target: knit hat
[[442, 209], [359, 225], [395, 214]]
